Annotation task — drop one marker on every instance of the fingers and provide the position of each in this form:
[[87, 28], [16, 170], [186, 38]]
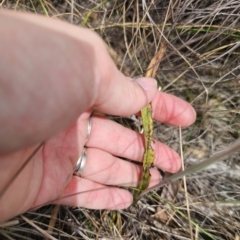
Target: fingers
[[120, 95], [107, 169], [129, 144], [172, 110], [86, 193], [123, 142], [108, 141]]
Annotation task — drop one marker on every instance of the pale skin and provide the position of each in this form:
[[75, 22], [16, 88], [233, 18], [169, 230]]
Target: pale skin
[[52, 75]]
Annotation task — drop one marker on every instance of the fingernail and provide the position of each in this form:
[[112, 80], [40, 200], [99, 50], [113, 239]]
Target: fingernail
[[147, 83]]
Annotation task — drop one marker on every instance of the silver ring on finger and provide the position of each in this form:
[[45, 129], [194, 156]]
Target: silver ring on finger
[[81, 163]]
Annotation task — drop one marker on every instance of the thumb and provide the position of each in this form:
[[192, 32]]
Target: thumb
[[122, 95]]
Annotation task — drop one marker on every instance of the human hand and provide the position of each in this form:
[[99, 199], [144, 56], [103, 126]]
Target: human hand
[[53, 75]]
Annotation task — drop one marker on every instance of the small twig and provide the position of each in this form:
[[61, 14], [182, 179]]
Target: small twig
[[185, 184]]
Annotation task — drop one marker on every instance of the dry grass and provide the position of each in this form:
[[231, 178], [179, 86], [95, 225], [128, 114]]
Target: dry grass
[[201, 65]]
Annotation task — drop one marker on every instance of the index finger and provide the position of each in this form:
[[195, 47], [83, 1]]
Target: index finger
[[172, 110]]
